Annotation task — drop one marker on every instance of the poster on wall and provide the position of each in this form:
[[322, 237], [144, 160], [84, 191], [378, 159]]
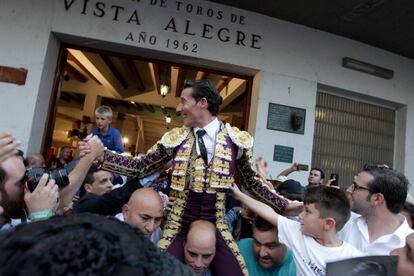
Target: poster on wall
[[286, 118]]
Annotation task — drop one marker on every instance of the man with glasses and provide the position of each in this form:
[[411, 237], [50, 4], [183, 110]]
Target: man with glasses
[[377, 196]]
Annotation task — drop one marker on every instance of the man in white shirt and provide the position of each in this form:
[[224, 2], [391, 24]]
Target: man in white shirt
[[377, 196]]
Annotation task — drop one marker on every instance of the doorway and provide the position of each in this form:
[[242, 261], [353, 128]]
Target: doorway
[[142, 93]]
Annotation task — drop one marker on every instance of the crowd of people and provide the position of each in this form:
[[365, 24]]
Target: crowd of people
[[193, 204]]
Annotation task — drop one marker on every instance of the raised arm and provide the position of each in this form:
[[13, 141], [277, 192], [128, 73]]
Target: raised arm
[[291, 169], [156, 158], [256, 185], [77, 176], [261, 209]]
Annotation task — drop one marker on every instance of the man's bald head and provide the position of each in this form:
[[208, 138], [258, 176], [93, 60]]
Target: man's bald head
[[200, 245], [144, 210]]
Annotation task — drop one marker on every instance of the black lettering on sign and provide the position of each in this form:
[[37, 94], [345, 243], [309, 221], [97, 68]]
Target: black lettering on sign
[[101, 8], [240, 38], [185, 46], [117, 8], [134, 18], [85, 3], [187, 26], [129, 37], [206, 29], [68, 5], [255, 39], [219, 34], [142, 37], [171, 25]]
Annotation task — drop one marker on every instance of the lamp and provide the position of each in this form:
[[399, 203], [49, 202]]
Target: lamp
[[368, 68], [164, 89], [125, 140], [168, 121]]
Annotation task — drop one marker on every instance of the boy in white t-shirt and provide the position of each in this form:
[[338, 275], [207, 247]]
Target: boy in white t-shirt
[[313, 241]]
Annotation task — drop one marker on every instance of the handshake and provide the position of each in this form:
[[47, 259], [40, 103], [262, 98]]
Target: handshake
[[93, 147]]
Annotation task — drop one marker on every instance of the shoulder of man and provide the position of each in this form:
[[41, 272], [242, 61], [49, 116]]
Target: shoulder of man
[[174, 137], [242, 139]]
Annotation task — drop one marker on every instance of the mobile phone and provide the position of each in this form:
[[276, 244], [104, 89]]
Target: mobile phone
[[303, 167], [334, 175]]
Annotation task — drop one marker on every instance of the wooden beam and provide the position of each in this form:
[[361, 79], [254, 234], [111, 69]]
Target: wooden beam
[[180, 82], [156, 70], [74, 98], [114, 71], [78, 63], [73, 72], [224, 84], [65, 97], [149, 107], [139, 106], [111, 103], [204, 75], [135, 73], [125, 104]]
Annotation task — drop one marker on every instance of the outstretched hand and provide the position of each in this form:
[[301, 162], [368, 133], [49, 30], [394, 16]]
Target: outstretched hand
[[96, 148], [262, 167], [83, 147], [294, 167], [235, 191], [294, 208]]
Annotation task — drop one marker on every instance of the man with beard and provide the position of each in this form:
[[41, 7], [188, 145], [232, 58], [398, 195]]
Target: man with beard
[[377, 196], [12, 172], [40, 204]]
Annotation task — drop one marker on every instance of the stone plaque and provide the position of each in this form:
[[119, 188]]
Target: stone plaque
[[286, 118], [283, 154]]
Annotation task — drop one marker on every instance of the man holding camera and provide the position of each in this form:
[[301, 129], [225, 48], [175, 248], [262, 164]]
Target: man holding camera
[[46, 197], [40, 204]]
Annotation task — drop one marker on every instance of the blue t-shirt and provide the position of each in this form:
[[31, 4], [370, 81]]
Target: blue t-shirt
[[112, 139], [287, 268]]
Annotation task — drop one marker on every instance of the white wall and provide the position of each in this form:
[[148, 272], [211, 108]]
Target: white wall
[[292, 58]]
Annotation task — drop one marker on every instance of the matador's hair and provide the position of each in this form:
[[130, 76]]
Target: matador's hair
[[83, 244]]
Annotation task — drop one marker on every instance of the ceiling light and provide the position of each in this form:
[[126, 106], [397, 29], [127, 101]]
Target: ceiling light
[[164, 89], [132, 102], [168, 119], [367, 68]]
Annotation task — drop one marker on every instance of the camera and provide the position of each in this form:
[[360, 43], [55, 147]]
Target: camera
[[61, 176]]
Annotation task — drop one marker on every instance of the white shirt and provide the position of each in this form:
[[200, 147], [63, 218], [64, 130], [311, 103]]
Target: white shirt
[[154, 237], [209, 138], [355, 232], [311, 257]]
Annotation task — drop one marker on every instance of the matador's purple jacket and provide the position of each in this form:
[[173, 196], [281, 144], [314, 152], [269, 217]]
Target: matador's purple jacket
[[190, 174]]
